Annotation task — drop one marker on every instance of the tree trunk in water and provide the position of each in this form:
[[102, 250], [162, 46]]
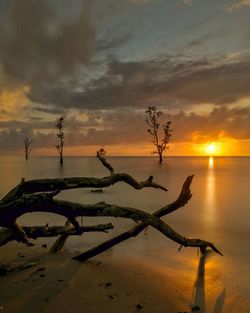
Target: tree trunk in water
[[160, 157], [61, 159]]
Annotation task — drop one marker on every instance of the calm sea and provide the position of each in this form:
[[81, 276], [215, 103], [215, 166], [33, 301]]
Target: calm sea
[[219, 211]]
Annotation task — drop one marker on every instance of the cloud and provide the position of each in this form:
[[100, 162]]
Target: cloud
[[237, 5], [141, 1], [53, 50], [219, 123], [128, 127], [168, 80], [13, 104], [117, 40], [188, 2], [38, 47]]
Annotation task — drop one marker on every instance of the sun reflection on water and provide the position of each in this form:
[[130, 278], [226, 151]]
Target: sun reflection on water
[[211, 163], [210, 198]]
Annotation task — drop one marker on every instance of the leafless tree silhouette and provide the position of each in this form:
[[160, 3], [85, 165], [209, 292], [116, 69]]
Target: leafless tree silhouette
[[59, 125], [152, 121], [27, 147]]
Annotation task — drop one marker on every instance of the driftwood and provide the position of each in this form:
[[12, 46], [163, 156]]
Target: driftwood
[[39, 196], [60, 241], [34, 232], [184, 197]]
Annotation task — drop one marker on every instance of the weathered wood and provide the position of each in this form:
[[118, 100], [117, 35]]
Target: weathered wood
[[39, 196], [34, 232], [5, 269], [184, 196], [101, 156], [44, 202], [52, 184], [60, 241]]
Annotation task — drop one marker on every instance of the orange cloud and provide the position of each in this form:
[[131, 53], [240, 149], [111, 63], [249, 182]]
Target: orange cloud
[[13, 103]]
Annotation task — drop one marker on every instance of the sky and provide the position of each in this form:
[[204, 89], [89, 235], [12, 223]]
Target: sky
[[101, 63]]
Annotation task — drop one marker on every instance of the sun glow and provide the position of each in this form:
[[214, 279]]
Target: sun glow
[[223, 147], [213, 148], [210, 148]]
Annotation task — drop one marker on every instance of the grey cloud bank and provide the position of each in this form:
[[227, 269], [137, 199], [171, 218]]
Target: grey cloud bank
[[129, 128], [101, 64]]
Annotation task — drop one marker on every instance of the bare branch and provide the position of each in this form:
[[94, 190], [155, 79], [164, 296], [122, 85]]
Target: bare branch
[[101, 156], [34, 232], [184, 196], [47, 185], [43, 203]]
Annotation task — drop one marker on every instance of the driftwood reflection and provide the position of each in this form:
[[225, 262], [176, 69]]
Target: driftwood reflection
[[218, 307], [198, 302]]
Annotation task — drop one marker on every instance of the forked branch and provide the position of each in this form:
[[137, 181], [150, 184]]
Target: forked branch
[[39, 196], [184, 196]]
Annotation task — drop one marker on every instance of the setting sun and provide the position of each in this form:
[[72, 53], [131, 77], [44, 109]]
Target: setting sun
[[210, 149]]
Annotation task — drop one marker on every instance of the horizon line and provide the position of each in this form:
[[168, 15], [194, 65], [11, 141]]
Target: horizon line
[[121, 156]]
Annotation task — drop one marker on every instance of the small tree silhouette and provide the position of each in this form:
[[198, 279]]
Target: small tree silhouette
[[60, 135], [27, 149], [152, 121]]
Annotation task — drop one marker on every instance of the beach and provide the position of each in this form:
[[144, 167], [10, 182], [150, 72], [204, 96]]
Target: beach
[[147, 273], [59, 284], [124, 156]]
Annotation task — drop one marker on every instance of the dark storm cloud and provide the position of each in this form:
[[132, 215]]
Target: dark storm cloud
[[12, 139], [162, 81], [37, 123], [234, 123], [43, 50], [114, 42], [37, 47], [129, 128], [49, 109]]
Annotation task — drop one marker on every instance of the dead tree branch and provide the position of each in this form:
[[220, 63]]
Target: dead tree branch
[[39, 196], [184, 196], [52, 184], [44, 202], [101, 156], [34, 232]]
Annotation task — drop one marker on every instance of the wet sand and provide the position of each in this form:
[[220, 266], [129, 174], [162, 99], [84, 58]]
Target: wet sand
[[59, 284]]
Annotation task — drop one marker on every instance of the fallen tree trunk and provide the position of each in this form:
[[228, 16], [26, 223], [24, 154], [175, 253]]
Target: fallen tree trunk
[[39, 196]]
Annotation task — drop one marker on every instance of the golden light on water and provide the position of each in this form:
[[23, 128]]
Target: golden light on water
[[210, 198], [211, 162]]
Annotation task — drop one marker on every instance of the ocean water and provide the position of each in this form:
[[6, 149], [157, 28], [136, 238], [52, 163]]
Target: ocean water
[[219, 211]]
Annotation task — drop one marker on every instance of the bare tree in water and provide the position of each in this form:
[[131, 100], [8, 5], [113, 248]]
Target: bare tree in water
[[152, 120], [27, 149], [60, 135]]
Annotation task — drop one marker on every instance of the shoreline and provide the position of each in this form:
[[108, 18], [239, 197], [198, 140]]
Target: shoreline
[[112, 283], [104, 284]]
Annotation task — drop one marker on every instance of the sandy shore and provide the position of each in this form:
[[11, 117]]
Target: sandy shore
[[104, 284]]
